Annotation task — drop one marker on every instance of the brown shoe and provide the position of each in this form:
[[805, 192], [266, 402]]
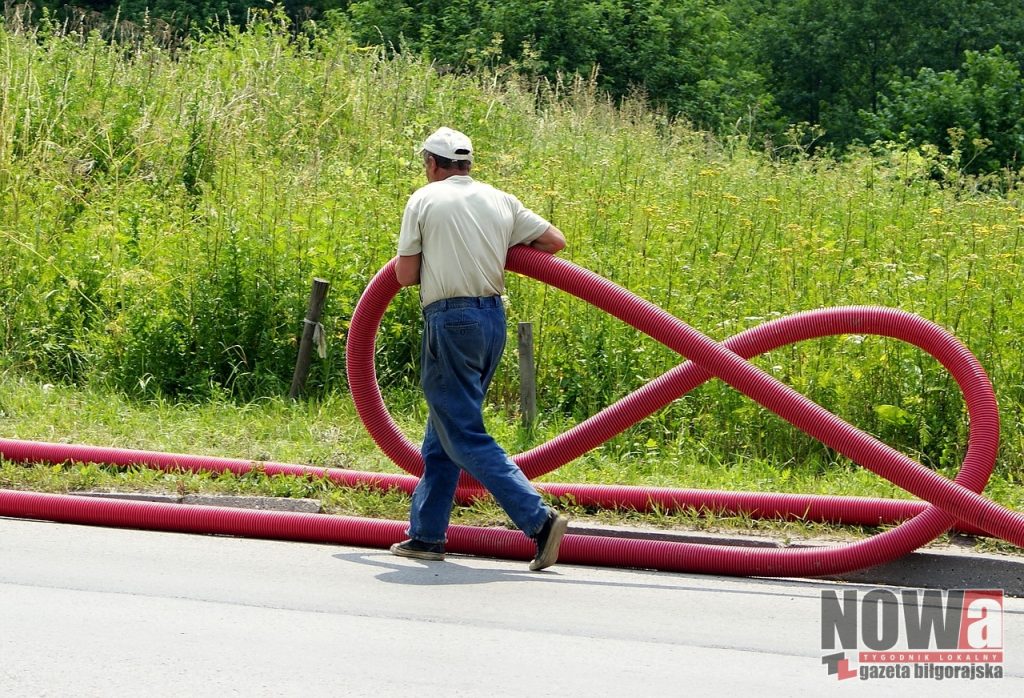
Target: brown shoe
[[548, 540], [418, 550]]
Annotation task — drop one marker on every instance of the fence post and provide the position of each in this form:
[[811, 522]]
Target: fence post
[[312, 335], [527, 375]]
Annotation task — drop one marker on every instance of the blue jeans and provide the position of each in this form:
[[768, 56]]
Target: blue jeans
[[463, 339]]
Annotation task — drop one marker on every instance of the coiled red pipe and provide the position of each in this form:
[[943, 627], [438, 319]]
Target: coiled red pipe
[[951, 500], [928, 521]]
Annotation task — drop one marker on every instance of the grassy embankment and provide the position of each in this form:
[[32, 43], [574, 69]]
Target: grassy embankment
[[161, 217]]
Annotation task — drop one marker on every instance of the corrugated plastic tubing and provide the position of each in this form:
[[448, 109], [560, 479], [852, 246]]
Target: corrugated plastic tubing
[[951, 501], [958, 500], [862, 511]]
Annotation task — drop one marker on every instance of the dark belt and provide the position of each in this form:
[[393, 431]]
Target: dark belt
[[463, 302]]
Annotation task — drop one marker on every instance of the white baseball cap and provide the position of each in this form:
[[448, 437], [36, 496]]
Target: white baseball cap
[[449, 143]]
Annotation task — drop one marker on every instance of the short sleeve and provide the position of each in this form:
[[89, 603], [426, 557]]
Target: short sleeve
[[527, 226], [409, 238]]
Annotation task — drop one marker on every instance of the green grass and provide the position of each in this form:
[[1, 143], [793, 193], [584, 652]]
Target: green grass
[[330, 434], [161, 218], [162, 215]]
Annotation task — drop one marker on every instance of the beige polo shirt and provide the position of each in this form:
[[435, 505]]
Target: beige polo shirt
[[463, 229]]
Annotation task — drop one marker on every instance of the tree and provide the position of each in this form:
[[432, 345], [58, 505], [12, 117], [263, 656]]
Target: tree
[[975, 114], [683, 54], [825, 61], [185, 14]]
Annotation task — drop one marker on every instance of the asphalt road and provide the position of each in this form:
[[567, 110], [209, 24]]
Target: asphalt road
[[106, 612]]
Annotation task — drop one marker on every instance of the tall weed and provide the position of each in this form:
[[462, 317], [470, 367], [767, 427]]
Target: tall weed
[[163, 213]]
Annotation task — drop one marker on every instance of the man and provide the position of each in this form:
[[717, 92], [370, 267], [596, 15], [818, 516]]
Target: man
[[454, 239]]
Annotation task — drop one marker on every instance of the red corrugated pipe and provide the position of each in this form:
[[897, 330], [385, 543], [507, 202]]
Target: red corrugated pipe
[[958, 499], [951, 501], [862, 511]]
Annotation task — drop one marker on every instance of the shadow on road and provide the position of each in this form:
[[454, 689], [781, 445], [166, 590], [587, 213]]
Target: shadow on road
[[425, 573], [450, 572]]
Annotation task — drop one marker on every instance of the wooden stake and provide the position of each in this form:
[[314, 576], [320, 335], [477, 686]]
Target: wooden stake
[[527, 375], [309, 328]]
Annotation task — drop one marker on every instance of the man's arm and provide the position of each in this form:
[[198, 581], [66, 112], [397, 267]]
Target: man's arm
[[407, 270], [550, 241]]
